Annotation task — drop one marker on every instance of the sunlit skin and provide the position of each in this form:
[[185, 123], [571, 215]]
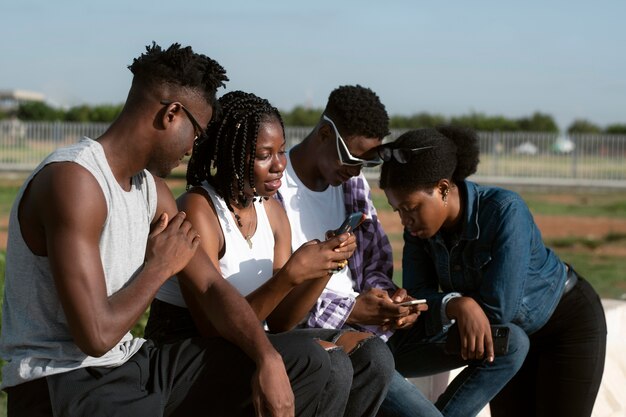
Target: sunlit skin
[[270, 160], [423, 214], [299, 277], [169, 154]]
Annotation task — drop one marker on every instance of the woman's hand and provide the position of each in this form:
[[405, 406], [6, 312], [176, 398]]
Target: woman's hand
[[474, 328], [315, 259]]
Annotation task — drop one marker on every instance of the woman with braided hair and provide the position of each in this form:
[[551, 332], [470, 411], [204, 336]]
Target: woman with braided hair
[[232, 174]]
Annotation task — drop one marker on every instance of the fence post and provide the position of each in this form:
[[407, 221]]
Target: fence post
[[574, 156], [495, 151]]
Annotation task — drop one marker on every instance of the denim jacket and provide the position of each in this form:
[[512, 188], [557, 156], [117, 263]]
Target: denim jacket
[[499, 260]]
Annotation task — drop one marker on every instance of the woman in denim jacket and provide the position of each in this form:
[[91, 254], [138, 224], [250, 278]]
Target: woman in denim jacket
[[477, 256]]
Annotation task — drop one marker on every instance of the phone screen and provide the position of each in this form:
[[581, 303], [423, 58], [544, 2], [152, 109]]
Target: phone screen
[[413, 302]]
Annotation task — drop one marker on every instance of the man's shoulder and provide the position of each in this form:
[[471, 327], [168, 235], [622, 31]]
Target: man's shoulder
[[66, 174]]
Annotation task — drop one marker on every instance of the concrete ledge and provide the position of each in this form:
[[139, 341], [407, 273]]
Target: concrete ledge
[[611, 401]]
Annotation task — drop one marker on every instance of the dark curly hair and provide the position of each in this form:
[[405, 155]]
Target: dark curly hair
[[220, 158], [357, 111], [179, 67], [453, 156]]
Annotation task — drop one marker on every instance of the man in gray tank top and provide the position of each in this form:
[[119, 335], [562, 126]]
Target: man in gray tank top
[[93, 233]]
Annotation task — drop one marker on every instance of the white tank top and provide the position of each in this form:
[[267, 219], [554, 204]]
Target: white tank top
[[245, 267], [36, 340]]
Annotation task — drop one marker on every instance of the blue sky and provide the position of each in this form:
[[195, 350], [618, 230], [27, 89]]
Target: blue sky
[[564, 58]]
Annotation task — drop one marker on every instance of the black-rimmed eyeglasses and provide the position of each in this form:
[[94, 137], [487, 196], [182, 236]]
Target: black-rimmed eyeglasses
[[197, 127], [345, 157], [402, 155]]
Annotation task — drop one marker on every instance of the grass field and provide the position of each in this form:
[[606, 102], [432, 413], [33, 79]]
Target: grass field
[[586, 229]]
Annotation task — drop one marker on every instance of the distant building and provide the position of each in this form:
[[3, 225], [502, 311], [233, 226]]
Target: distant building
[[11, 99]]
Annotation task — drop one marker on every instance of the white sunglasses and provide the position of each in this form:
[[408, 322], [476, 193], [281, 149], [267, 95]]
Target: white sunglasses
[[345, 157]]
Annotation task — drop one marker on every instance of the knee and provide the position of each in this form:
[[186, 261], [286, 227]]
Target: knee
[[304, 355], [374, 358], [341, 371], [519, 344]]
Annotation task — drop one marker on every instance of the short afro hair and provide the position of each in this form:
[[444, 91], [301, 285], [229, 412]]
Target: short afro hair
[[357, 111], [179, 67]]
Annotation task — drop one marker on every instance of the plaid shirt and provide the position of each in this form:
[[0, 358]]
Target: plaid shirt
[[371, 265]]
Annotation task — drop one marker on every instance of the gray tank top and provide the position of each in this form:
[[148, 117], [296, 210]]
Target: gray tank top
[[36, 340]]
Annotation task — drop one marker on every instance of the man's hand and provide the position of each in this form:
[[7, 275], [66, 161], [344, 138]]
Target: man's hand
[[171, 245], [474, 329], [272, 395], [401, 296], [377, 308]]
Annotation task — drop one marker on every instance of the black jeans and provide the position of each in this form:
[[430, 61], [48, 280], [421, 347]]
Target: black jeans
[[358, 381], [194, 377], [562, 372]]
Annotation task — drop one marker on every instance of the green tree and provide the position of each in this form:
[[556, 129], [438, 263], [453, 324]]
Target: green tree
[[38, 111], [481, 122], [616, 129], [538, 122], [301, 116], [106, 112], [415, 121], [80, 113], [583, 126], [101, 113]]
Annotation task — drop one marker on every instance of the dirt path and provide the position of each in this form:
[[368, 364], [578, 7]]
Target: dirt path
[[551, 226]]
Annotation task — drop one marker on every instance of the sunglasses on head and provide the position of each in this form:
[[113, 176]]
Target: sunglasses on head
[[402, 155], [345, 157]]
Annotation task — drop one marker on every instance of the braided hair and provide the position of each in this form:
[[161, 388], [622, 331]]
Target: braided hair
[[177, 67], [226, 155], [453, 155]]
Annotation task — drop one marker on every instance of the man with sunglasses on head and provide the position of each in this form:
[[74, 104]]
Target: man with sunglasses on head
[[323, 184], [93, 234]]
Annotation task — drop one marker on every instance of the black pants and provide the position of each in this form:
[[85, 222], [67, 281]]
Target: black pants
[[357, 384], [562, 372], [196, 377]]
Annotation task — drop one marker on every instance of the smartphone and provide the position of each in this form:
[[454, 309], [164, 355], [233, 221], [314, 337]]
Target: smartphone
[[413, 302], [499, 335], [350, 223]]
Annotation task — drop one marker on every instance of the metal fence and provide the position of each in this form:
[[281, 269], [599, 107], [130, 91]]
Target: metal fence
[[506, 157]]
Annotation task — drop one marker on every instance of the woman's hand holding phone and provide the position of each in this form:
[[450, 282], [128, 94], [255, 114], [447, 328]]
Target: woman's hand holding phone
[[351, 222], [474, 328], [315, 259]]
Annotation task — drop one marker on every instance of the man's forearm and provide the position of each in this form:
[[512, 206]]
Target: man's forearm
[[224, 309]]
